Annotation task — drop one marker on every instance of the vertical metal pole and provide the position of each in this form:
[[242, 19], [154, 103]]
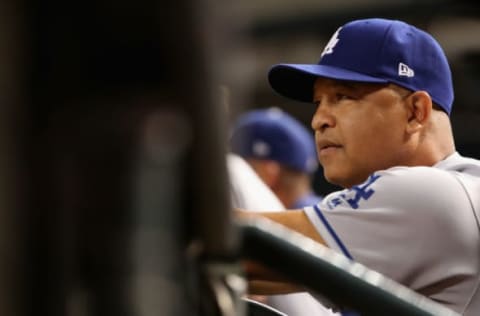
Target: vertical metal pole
[[13, 264]]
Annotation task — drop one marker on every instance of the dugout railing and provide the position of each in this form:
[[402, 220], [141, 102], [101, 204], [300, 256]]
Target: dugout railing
[[332, 277]]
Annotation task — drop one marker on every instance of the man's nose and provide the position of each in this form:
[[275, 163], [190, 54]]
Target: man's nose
[[322, 118]]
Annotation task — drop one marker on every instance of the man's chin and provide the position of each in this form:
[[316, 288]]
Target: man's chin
[[343, 180], [334, 179]]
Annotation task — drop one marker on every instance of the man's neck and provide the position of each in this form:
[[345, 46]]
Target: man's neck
[[291, 193]]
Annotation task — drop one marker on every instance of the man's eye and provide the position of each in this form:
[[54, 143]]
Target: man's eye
[[341, 96]]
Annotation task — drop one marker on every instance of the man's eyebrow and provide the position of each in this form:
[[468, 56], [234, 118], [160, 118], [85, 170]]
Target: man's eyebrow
[[366, 87], [350, 85], [358, 84], [346, 84], [354, 86]]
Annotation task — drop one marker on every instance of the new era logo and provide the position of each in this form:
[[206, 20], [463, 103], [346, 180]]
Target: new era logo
[[404, 70]]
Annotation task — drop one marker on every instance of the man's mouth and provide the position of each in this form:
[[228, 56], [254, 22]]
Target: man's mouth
[[327, 147]]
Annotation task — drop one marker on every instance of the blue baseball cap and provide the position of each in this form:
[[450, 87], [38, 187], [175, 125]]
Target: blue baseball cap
[[373, 51], [272, 134]]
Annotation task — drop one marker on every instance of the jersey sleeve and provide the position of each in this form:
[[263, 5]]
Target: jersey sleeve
[[247, 190], [413, 225]]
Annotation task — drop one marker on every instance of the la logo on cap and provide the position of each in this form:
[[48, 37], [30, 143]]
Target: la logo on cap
[[261, 148], [331, 43]]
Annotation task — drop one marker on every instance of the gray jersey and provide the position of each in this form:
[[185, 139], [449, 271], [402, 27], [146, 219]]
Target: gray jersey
[[416, 225], [247, 190]]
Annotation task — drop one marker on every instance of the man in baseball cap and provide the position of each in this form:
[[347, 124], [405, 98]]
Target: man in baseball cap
[[282, 152], [382, 92]]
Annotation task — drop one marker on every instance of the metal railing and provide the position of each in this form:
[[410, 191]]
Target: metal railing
[[330, 275]]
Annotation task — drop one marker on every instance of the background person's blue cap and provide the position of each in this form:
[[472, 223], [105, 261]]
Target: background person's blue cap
[[272, 134], [374, 51]]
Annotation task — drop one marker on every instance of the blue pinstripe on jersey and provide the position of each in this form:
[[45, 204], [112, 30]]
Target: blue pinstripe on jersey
[[340, 245], [332, 232]]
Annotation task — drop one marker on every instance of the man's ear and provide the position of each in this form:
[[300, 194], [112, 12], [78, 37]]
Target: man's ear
[[267, 170], [419, 104], [271, 173]]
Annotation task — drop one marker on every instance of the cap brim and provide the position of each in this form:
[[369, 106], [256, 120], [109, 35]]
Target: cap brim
[[295, 81]]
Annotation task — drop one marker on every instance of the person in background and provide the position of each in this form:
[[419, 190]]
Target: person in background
[[249, 191], [281, 151]]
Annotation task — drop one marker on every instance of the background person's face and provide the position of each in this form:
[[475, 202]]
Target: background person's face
[[359, 129]]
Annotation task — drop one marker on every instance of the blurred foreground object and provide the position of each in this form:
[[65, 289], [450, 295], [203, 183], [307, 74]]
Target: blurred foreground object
[[112, 126]]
